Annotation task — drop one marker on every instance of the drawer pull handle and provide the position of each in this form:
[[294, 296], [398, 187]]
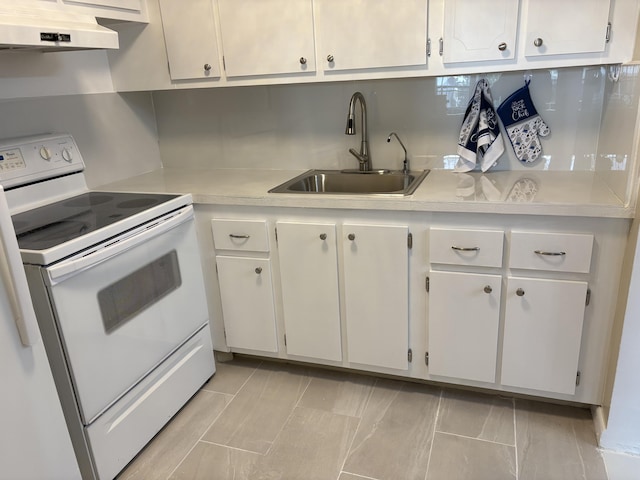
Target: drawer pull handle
[[233, 235], [488, 289], [550, 254], [323, 236], [258, 270], [520, 292], [465, 249], [351, 236]]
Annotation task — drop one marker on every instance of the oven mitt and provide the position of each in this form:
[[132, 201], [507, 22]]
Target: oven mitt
[[523, 124]]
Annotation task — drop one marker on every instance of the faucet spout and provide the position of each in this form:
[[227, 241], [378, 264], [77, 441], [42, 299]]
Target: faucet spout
[[363, 155], [405, 163]]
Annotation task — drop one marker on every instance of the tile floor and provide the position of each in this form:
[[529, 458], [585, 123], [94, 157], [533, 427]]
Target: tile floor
[[266, 420]]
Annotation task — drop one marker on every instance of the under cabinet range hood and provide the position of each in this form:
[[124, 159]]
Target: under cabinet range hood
[[50, 27]]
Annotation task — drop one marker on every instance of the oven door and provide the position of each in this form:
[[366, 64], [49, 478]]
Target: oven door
[[123, 307]]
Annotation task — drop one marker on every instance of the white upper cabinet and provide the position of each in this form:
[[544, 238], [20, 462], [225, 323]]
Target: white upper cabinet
[[190, 39], [555, 27], [364, 34], [131, 10], [267, 37], [479, 30]]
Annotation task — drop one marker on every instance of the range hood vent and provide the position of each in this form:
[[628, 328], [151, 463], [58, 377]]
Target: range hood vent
[[29, 25]]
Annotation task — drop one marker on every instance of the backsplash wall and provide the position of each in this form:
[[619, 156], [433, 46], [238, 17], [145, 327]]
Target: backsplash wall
[[302, 126]]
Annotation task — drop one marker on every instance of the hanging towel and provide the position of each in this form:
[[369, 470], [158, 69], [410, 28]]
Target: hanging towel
[[480, 141]]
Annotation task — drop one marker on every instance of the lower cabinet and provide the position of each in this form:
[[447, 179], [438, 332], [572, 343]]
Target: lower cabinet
[[543, 334], [246, 293], [464, 317], [376, 290], [310, 296]]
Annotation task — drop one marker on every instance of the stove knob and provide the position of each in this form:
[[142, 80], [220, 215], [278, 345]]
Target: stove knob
[[45, 153], [67, 155]]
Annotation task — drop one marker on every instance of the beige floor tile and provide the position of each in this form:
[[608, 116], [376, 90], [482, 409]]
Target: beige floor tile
[[476, 415], [170, 446], [338, 392], [214, 462], [260, 409], [556, 442], [231, 376], [394, 436], [461, 458], [312, 446]]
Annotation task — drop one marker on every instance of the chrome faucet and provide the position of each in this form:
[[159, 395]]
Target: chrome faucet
[[405, 163], [362, 156]]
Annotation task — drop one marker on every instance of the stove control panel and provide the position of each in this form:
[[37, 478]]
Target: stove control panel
[[31, 159]]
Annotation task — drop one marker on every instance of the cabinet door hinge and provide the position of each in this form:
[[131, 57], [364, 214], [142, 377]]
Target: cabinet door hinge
[[441, 49], [224, 332], [410, 241], [285, 340], [426, 359], [608, 35], [428, 47], [426, 284], [409, 355], [224, 65], [276, 230], [578, 378], [588, 300]]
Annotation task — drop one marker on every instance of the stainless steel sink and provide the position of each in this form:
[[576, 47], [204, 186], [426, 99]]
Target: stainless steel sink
[[377, 182]]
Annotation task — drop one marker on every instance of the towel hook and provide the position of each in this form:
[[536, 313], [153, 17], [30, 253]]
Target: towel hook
[[528, 75]]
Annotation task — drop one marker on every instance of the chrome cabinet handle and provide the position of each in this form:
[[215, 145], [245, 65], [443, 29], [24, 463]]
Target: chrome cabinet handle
[[233, 235], [520, 292], [537, 42], [488, 289], [303, 61], [258, 270], [207, 67], [323, 236], [502, 46], [550, 254], [330, 58], [351, 236], [465, 249]]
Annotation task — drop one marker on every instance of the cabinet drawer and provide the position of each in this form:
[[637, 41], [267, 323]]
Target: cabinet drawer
[[243, 235], [481, 248], [559, 252]]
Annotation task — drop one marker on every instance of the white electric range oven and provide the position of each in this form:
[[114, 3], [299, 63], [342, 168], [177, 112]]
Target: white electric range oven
[[117, 287]]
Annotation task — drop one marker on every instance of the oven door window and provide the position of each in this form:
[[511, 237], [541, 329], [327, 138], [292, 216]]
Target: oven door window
[[125, 299]]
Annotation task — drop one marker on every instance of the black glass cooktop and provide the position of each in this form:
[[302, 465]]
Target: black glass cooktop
[[56, 223]]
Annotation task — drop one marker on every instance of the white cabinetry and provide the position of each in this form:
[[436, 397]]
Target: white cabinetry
[[464, 307], [246, 289], [129, 10], [376, 278], [268, 37], [310, 294], [365, 34], [544, 316], [555, 27], [190, 39], [479, 30]]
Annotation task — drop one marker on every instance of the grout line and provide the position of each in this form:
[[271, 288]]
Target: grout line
[[433, 436], [231, 448], [476, 438], [515, 437], [233, 397], [355, 475]]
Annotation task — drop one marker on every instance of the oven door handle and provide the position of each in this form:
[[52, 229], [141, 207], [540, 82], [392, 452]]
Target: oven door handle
[[16, 280], [65, 269]]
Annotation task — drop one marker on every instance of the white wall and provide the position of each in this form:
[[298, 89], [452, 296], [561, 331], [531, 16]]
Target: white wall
[[302, 126], [116, 134]]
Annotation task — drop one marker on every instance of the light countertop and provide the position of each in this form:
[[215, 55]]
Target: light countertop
[[506, 192]]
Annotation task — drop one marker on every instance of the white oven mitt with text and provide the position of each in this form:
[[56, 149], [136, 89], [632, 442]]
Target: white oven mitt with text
[[523, 125]]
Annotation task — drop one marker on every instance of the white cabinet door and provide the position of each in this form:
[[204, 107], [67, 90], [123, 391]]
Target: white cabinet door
[[479, 30], [190, 39], [310, 295], [542, 334], [247, 302], [376, 275], [267, 36], [358, 34], [556, 27], [130, 10], [464, 315]]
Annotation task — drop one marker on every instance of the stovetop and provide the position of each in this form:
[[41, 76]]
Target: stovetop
[[45, 227]]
